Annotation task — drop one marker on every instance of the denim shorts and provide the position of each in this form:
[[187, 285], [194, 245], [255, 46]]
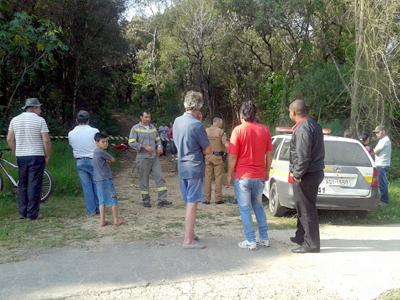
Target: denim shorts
[[192, 190], [106, 192]]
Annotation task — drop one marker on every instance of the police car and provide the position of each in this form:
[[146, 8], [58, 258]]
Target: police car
[[350, 183]]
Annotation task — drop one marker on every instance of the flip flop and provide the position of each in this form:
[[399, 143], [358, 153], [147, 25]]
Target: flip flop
[[119, 223], [194, 245], [105, 223]]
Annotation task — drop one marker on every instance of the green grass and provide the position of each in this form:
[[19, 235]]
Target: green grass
[[62, 214]]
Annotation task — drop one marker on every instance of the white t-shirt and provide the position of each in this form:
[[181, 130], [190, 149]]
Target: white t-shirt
[[81, 139], [382, 159], [28, 128]]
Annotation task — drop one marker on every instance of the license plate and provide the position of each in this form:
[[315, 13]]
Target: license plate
[[338, 181]]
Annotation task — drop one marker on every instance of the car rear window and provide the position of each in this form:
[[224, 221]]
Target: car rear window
[[345, 154]]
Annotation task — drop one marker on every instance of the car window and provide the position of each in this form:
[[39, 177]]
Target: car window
[[285, 150], [275, 146], [345, 154]]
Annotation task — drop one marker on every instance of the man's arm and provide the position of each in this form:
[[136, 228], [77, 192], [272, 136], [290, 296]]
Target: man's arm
[[159, 146], [268, 162], [207, 151], [303, 151], [232, 159], [378, 148], [11, 140], [134, 142], [46, 145]]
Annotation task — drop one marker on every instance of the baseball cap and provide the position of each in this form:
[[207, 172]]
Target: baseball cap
[[379, 128], [82, 115]]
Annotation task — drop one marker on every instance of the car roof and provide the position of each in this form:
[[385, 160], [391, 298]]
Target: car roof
[[326, 138]]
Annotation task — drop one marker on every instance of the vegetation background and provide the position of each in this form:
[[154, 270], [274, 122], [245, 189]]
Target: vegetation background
[[106, 56]]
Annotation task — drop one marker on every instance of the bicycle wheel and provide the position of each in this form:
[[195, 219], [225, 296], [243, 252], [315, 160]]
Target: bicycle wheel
[[47, 187]]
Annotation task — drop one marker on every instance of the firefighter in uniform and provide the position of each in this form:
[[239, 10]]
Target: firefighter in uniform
[[214, 161], [146, 141]]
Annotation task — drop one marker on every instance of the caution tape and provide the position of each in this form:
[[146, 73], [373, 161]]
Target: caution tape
[[62, 137]]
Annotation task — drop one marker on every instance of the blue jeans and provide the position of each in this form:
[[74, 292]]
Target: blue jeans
[[383, 183], [85, 172], [249, 195], [30, 175]]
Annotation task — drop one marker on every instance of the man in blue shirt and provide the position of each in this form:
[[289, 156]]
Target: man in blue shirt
[[191, 140]]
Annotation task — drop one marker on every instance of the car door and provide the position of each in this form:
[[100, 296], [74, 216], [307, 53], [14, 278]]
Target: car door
[[276, 143]]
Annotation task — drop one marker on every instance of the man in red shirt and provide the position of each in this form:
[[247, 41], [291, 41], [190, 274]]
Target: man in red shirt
[[250, 157]]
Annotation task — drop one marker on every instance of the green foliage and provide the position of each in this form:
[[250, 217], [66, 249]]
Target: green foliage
[[105, 122], [272, 98], [323, 91], [394, 171], [28, 46]]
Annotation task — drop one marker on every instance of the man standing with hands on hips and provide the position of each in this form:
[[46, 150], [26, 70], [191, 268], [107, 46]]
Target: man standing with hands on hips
[[307, 155]]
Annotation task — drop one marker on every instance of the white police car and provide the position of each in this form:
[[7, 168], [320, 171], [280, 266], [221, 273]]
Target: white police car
[[350, 183]]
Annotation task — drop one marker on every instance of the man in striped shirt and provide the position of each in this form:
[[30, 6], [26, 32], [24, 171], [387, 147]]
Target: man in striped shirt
[[28, 137]]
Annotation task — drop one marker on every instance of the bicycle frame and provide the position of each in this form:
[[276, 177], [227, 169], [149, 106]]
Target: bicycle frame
[[12, 180]]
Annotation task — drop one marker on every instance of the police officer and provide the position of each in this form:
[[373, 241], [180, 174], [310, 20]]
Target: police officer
[[214, 161], [146, 141]]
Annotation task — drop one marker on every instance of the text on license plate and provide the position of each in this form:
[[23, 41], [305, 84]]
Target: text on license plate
[[338, 181]]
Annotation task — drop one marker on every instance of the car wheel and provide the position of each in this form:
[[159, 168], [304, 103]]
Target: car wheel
[[274, 205], [361, 214]]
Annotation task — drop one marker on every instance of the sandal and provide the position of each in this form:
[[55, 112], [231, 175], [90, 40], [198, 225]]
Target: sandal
[[105, 223], [119, 222]]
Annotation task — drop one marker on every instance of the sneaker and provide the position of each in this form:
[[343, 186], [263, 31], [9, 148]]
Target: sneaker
[[163, 203], [263, 243], [248, 245]]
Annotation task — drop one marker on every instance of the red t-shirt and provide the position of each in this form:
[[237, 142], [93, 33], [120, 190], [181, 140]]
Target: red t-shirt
[[250, 142]]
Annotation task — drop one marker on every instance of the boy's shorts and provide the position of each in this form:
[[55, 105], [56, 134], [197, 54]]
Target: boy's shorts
[[106, 192], [192, 190]]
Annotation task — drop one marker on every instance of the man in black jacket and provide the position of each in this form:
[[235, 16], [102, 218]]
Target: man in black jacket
[[306, 165]]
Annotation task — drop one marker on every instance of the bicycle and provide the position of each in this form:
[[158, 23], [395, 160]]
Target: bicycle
[[47, 185]]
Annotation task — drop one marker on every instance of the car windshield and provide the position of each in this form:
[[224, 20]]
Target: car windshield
[[345, 154]]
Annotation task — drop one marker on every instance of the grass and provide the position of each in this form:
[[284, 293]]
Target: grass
[[393, 294], [63, 214]]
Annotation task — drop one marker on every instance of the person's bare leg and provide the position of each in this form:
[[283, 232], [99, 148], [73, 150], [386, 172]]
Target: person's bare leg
[[103, 221], [116, 219], [190, 220]]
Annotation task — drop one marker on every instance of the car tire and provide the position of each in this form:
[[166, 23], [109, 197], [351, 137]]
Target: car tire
[[275, 208], [361, 214]]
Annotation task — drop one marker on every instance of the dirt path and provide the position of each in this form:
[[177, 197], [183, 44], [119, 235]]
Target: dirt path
[[154, 223]]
